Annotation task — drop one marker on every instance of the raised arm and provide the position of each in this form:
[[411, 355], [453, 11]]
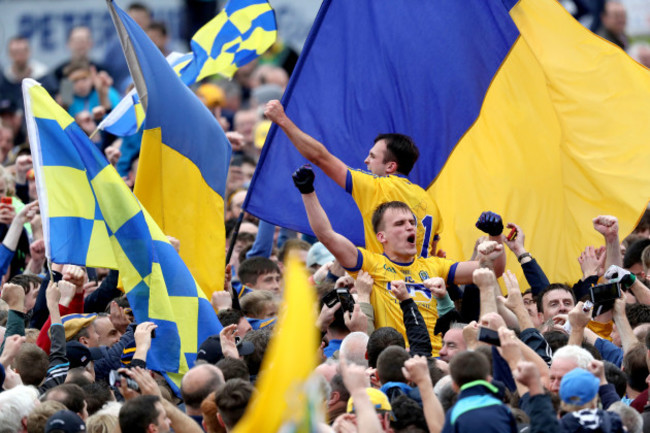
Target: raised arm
[[607, 226], [308, 146], [340, 247]]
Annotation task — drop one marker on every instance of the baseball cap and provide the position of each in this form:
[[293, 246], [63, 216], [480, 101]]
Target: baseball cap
[[578, 387], [210, 349], [318, 255], [73, 323], [377, 398], [80, 355], [66, 421], [8, 106]]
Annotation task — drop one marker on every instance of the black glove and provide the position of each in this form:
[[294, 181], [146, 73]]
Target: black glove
[[490, 223], [303, 178]]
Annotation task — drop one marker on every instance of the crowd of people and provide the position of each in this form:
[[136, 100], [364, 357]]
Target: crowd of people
[[412, 341]]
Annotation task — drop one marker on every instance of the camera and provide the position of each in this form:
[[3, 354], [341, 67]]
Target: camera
[[115, 380]]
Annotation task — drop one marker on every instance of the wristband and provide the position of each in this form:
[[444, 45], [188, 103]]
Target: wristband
[[523, 256], [628, 281]]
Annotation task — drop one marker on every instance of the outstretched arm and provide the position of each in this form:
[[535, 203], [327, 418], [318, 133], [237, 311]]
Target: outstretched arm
[[340, 247], [308, 146]]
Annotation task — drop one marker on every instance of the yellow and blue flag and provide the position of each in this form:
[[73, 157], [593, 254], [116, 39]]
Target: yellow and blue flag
[[184, 157], [515, 108], [241, 32], [126, 118], [283, 401], [91, 218]]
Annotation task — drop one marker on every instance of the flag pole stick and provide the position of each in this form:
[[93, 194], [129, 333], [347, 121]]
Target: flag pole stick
[[231, 247], [94, 132]]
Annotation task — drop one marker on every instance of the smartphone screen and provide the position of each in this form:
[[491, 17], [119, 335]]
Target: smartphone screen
[[604, 293], [489, 336], [346, 299]]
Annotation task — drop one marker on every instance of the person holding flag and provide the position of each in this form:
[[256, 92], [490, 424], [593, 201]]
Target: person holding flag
[[389, 162]]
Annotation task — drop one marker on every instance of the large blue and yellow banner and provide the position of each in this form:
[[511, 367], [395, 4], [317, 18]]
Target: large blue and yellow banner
[[515, 107], [184, 157], [91, 218]]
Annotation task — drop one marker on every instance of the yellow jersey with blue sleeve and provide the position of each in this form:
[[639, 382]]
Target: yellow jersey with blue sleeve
[[369, 191], [386, 305]]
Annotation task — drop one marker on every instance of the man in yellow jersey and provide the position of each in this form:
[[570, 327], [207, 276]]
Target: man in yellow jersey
[[395, 228], [389, 161]]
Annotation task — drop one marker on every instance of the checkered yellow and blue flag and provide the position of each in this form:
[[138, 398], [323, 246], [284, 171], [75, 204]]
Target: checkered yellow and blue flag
[[241, 32], [91, 218], [184, 157]]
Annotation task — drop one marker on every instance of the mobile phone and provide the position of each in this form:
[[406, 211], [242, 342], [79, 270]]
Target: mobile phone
[[512, 235], [57, 276], [115, 380], [153, 333], [346, 300], [331, 298], [6, 200], [489, 336], [605, 293]]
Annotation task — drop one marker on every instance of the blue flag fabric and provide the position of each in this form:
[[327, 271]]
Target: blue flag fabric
[[514, 106]]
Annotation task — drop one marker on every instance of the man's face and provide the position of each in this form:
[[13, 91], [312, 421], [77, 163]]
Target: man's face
[[530, 304], [557, 302], [93, 337], [270, 281], [243, 327], [375, 159], [398, 232], [452, 343], [106, 332], [19, 53], [163, 423], [80, 42], [637, 270], [559, 367], [615, 18]]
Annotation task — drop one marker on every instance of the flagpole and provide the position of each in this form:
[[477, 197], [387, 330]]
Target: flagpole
[[94, 132]]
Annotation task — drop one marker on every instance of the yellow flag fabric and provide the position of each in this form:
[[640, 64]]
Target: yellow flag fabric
[[282, 398], [562, 138]]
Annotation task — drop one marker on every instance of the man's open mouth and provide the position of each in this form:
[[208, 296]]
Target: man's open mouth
[[411, 239]]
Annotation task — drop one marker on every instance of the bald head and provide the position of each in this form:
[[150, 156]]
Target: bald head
[[197, 384]]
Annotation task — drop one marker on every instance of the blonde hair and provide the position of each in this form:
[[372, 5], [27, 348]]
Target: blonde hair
[[101, 423], [254, 303]]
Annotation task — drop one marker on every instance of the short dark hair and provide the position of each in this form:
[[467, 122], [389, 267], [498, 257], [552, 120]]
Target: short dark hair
[[160, 26], [136, 414], [380, 339], [550, 288], [468, 366], [556, 339], [229, 317], [136, 6], [233, 368], [401, 149], [195, 398], [251, 269], [260, 339], [337, 385], [31, 363], [232, 398], [97, 395], [390, 363], [378, 214], [25, 281], [71, 395], [635, 368], [409, 416], [637, 314], [633, 253], [616, 377]]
